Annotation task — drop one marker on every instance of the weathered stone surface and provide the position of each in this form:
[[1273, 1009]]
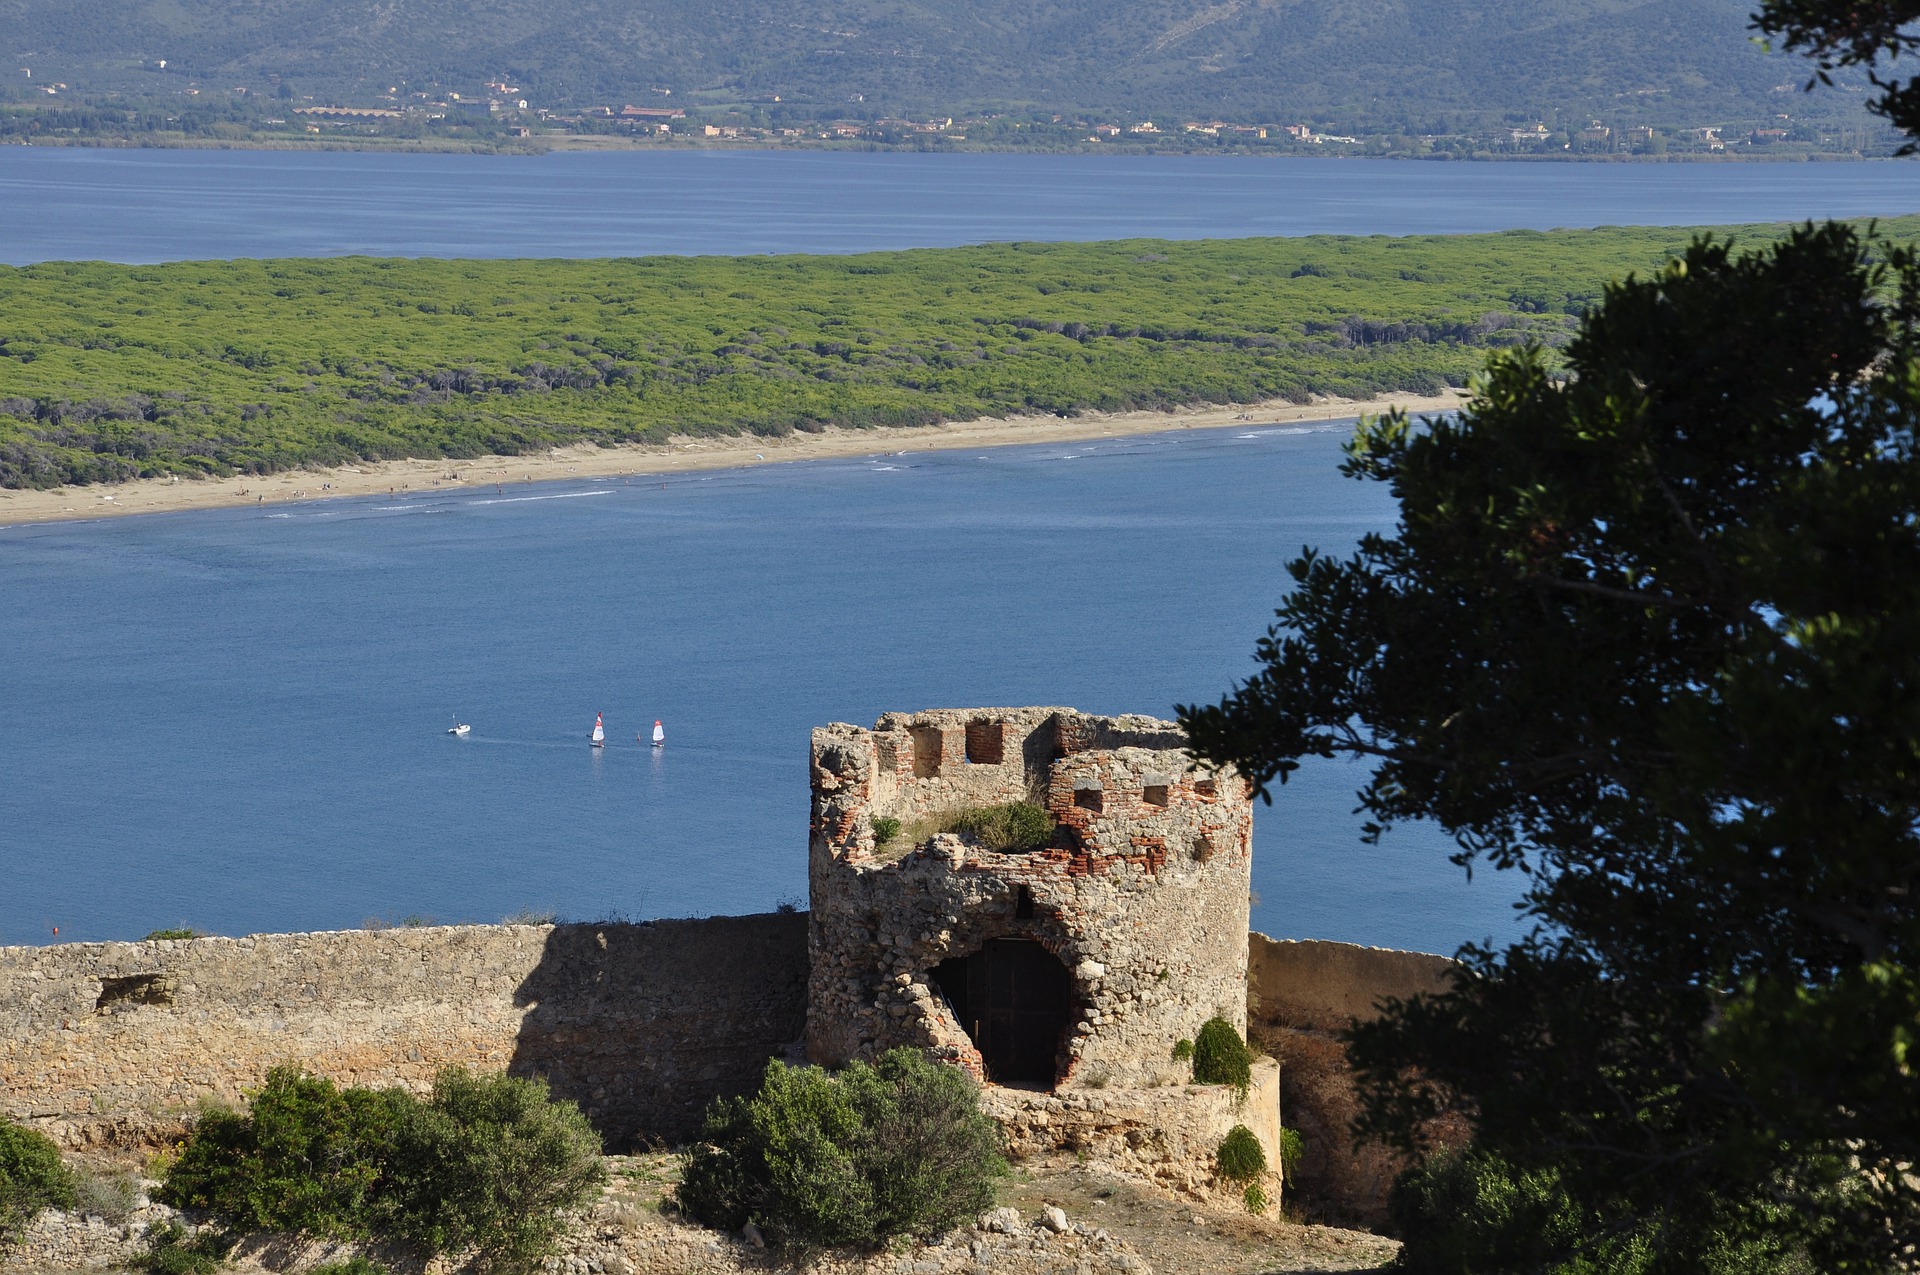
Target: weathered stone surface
[[1300, 996], [1142, 895], [1312, 985], [663, 1247], [640, 1024], [1166, 1135], [74, 1241]]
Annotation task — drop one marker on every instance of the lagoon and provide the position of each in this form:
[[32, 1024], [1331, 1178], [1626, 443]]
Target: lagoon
[[70, 203]]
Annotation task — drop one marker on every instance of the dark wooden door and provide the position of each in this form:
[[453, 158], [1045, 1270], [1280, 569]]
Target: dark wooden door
[[1019, 996]]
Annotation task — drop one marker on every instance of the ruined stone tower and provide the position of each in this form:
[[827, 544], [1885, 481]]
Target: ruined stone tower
[[1076, 964]]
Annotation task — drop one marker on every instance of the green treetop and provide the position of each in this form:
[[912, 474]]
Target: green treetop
[[1651, 633]]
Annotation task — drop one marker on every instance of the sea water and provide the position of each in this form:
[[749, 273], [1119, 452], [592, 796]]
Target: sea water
[[236, 720]]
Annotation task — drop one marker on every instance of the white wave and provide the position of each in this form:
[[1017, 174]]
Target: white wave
[[1278, 429]]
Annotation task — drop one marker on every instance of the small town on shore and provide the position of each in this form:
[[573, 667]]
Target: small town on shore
[[504, 115]]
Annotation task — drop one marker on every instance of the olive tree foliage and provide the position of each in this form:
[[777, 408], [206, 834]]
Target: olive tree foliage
[[1839, 34], [1650, 634]]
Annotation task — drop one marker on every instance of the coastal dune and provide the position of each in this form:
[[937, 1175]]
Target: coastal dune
[[679, 454]]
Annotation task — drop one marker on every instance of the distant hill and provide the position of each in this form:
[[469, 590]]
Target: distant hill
[[1424, 64]]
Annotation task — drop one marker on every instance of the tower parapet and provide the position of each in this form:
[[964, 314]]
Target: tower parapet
[[1076, 963]]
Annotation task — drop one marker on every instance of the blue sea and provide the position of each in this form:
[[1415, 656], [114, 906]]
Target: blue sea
[[236, 720]]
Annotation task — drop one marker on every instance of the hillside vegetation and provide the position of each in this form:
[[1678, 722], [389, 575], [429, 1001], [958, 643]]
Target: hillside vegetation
[[1421, 63], [110, 372]]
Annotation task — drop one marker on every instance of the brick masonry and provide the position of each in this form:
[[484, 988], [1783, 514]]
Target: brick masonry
[[1142, 894]]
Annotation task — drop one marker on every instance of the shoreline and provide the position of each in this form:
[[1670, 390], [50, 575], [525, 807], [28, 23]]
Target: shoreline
[[597, 143], [23, 506]]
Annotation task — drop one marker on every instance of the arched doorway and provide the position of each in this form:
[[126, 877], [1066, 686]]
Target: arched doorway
[[1014, 999]]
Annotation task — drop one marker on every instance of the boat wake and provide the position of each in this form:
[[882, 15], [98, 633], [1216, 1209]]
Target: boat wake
[[521, 500]]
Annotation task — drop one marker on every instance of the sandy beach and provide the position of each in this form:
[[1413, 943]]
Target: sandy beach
[[153, 496]]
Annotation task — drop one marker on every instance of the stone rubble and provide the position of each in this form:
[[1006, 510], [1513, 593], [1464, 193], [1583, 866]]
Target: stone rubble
[[1001, 1241], [623, 1240], [77, 1242]]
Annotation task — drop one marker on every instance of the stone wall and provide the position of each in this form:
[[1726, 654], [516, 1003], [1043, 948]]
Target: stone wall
[[1169, 1134], [116, 1043], [1299, 996], [1139, 901]]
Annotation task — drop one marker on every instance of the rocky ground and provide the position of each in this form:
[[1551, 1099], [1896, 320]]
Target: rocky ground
[[1054, 1218], [1183, 1237]]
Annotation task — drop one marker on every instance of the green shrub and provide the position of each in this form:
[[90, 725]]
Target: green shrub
[[355, 1265], [1467, 1212], [1470, 1212], [491, 1165], [1015, 828], [853, 1159], [487, 1165], [1183, 1050], [32, 1177], [1256, 1199], [177, 933], [1292, 1148], [172, 1250], [885, 829], [1220, 1057], [1240, 1157], [305, 1157]]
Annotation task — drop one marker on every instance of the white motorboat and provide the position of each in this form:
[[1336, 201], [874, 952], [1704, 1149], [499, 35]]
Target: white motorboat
[[459, 729]]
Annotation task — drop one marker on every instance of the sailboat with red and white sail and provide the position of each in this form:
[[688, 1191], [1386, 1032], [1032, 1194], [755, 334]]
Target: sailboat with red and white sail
[[599, 732]]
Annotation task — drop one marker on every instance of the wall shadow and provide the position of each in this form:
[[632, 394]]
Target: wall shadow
[[645, 1024]]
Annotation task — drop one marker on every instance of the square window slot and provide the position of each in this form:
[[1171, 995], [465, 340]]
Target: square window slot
[[1088, 799], [927, 747], [986, 743], [1154, 794]]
